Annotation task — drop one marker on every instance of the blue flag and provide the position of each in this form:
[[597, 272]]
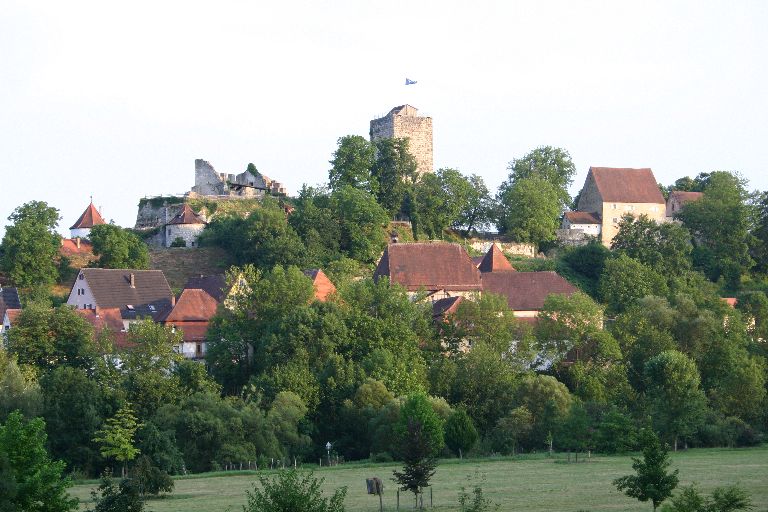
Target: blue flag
[[408, 81]]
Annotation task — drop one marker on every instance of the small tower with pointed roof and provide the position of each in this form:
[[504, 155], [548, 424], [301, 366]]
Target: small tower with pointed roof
[[495, 261], [186, 225], [90, 217]]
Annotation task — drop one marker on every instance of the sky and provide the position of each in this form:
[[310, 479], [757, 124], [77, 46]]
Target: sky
[[117, 99]]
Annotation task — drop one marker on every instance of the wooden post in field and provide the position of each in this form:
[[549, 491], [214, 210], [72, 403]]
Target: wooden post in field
[[398, 499], [430, 497]]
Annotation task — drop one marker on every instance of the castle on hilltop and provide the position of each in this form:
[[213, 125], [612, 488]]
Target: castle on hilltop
[[404, 122], [248, 184]]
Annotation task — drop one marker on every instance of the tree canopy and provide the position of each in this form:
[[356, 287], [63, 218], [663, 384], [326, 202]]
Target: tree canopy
[[30, 246]]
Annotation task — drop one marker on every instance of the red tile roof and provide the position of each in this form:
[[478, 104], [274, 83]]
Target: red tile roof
[[194, 305], [90, 217], [69, 247], [731, 301], [431, 266], [192, 331], [526, 291], [13, 315], [323, 286], [107, 318], [582, 218], [622, 185], [187, 216], [683, 196], [495, 261]]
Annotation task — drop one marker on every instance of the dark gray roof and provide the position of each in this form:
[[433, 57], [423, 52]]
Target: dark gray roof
[[214, 285], [150, 296], [9, 299]]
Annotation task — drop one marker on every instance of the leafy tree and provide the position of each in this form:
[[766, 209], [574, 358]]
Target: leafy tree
[[615, 433], [29, 479], [74, 407], [626, 280], [476, 502], [529, 210], [666, 247], [550, 164], [418, 458], [317, 225], [30, 246], [352, 163], [436, 210], [19, 388], [513, 430], [122, 497], [575, 430], [719, 223], [754, 308], [118, 248], [117, 436], [460, 432], [284, 416], [46, 338], [178, 242], [394, 171], [723, 499], [149, 479], [676, 399], [652, 482], [548, 401], [476, 204], [571, 324], [360, 222], [263, 238], [291, 491], [148, 366], [584, 264]]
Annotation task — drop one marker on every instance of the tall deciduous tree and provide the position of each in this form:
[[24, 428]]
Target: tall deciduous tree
[[395, 172], [665, 247], [675, 395], [460, 433], [626, 280], [29, 479], [117, 436], [30, 246], [719, 223], [552, 165], [352, 163], [361, 223], [528, 209], [118, 248], [653, 482]]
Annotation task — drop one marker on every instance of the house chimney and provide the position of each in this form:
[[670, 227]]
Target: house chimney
[[173, 300], [133, 280], [77, 242]]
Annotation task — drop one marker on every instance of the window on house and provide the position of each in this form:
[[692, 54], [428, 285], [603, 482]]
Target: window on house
[[81, 276], [614, 206], [615, 220]]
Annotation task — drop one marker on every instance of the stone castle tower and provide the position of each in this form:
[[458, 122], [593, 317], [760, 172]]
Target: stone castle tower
[[404, 121]]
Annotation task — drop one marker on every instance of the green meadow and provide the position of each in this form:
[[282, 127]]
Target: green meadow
[[535, 483]]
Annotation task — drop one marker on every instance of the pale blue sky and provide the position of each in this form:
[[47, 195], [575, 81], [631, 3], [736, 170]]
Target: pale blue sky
[[117, 100]]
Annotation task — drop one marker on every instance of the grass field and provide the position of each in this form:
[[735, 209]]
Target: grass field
[[532, 484]]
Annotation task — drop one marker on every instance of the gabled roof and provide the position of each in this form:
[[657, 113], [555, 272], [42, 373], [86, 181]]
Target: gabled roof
[[446, 306], [431, 266], [90, 217], [187, 216], [215, 285], [623, 185], [526, 291], [69, 247], [323, 286], [682, 196], [107, 318], [9, 299], [13, 315], [193, 305], [495, 261], [582, 218], [111, 288]]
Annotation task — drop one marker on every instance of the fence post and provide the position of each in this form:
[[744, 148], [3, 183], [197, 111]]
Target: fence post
[[430, 497], [398, 499]]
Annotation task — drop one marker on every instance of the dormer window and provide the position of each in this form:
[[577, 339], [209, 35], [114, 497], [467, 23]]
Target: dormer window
[[152, 308], [81, 276], [129, 307]]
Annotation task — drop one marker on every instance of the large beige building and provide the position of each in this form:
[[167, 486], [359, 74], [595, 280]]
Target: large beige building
[[610, 193], [404, 122]]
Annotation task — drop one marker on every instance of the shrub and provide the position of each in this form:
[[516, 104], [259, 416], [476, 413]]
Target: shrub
[[291, 491], [151, 479], [124, 497], [178, 242]]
